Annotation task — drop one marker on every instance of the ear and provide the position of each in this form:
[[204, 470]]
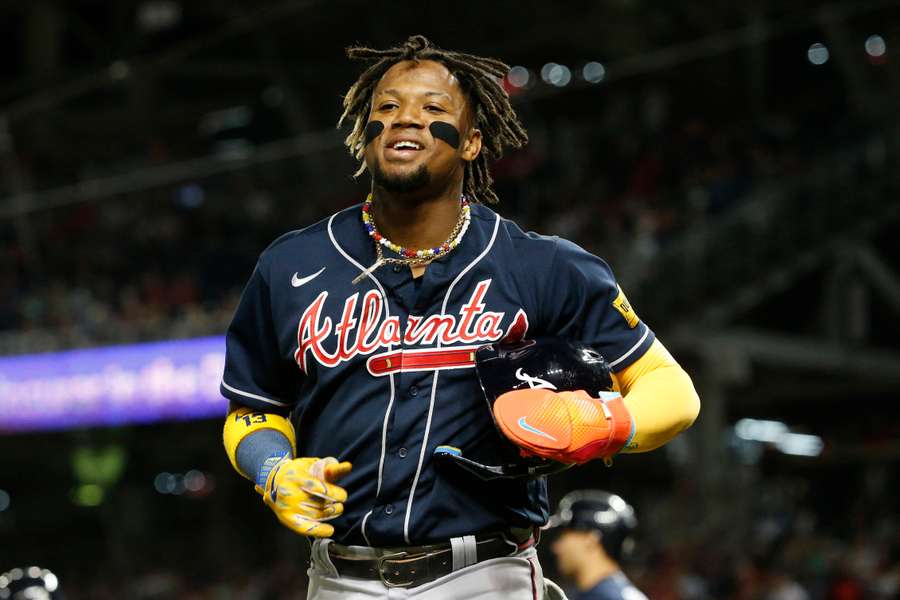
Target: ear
[[471, 147]]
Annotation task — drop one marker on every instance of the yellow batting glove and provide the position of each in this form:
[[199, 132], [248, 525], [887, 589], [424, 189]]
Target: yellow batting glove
[[302, 494]]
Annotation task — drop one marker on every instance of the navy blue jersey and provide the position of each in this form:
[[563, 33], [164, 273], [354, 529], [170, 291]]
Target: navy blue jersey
[[380, 373], [615, 587]]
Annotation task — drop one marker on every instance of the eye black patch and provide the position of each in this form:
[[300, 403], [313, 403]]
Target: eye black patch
[[445, 132], [373, 130]]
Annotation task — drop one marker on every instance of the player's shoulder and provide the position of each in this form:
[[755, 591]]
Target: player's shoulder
[[545, 255], [614, 587], [511, 234], [311, 238], [624, 588], [535, 248]]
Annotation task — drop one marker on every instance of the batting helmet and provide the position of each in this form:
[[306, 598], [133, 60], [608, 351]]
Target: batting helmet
[[549, 363], [31, 583], [603, 512]]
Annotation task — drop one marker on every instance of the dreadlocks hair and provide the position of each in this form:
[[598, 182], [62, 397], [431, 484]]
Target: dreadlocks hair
[[479, 78]]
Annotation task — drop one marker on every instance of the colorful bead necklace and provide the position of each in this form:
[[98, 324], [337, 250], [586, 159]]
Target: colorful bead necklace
[[411, 257]]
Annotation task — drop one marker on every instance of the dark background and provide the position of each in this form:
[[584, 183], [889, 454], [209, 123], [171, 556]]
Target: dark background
[[746, 198]]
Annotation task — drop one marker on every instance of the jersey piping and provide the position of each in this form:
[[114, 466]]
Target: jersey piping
[[412, 491], [254, 396], [633, 348], [387, 412]]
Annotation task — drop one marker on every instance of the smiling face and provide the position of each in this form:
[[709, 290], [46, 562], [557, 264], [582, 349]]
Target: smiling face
[[407, 156]]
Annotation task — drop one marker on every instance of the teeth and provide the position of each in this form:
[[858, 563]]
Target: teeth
[[402, 145]]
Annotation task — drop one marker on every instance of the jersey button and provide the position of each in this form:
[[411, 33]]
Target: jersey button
[[402, 452], [413, 390], [389, 509], [397, 268]]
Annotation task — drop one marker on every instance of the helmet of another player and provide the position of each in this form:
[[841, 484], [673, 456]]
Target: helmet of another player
[[29, 583], [598, 511]]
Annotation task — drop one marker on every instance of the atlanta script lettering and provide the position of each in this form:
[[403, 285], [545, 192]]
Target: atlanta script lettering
[[364, 331]]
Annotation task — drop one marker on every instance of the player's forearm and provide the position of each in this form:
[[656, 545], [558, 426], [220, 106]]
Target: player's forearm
[[259, 451], [661, 398], [663, 403], [254, 441]]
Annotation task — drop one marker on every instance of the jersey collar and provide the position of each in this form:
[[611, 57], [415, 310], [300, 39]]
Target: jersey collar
[[354, 239]]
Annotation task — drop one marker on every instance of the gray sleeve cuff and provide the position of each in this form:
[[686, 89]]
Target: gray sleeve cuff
[[255, 449]]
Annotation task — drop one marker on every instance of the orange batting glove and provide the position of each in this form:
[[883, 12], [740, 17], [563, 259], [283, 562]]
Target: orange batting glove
[[568, 427]]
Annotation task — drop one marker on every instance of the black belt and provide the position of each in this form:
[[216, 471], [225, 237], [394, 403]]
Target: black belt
[[411, 567]]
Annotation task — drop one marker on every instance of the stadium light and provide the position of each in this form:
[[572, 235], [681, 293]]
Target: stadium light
[[158, 15], [545, 71], [779, 435], [518, 76], [559, 75], [50, 581], [593, 72], [800, 444], [756, 430], [875, 46], [817, 54], [164, 483], [88, 494], [194, 480]]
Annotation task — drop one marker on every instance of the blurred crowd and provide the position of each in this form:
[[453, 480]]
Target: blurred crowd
[[170, 262], [281, 581], [786, 551]]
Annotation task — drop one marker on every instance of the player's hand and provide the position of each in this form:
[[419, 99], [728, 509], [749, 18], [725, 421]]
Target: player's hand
[[302, 493], [568, 427]]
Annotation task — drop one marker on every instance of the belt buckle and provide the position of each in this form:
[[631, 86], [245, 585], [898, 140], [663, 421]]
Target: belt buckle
[[381, 574]]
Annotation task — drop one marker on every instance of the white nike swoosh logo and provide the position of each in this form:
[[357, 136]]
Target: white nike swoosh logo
[[534, 382], [298, 281]]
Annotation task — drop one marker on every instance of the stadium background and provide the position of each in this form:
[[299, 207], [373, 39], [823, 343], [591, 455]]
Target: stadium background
[[737, 164]]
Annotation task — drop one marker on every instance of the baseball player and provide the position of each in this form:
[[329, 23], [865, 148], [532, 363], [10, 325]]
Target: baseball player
[[594, 530], [350, 358]]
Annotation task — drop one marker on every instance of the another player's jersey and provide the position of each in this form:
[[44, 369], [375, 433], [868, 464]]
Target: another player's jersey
[[615, 587], [380, 372]]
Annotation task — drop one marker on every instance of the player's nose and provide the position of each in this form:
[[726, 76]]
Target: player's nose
[[408, 116]]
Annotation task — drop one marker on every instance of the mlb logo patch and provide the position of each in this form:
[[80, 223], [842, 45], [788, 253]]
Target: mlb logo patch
[[622, 305]]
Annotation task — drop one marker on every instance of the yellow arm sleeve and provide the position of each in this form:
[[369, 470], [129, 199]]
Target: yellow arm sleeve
[[242, 421], [659, 395]]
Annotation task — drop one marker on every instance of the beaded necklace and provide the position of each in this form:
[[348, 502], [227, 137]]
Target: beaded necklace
[[411, 257]]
